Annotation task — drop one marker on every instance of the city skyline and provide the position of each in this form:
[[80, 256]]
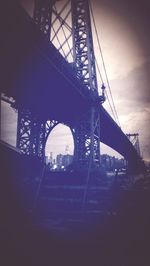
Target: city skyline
[[62, 161]]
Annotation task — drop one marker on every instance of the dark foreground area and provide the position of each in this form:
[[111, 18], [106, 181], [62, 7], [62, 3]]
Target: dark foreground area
[[112, 228]]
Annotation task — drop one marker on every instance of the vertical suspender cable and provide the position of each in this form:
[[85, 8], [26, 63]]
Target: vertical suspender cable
[[100, 49]]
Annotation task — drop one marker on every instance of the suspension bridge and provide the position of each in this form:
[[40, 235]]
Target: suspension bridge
[[50, 75], [48, 89], [48, 85]]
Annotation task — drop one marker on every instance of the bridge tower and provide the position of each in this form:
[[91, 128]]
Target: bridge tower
[[87, 128], [134, 138], [52, 16]]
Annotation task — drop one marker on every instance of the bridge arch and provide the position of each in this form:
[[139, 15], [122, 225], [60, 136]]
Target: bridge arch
[[59, 141]]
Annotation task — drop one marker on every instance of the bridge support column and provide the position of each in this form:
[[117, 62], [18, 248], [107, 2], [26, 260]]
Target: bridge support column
[[86, 140], [30, 134], [87, 129]]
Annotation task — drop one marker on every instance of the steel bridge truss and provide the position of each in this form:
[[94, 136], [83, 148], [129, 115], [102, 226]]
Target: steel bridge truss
[[67, 25], [86, 139], [32, 133], [134, 138]]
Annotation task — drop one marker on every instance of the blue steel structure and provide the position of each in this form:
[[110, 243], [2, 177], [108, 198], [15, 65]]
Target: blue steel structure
[[86, 128], [41, 81], [134, 138]]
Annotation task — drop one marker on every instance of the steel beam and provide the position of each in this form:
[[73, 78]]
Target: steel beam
[[42, 15], [134, 138], [32, 133], [87, 128]]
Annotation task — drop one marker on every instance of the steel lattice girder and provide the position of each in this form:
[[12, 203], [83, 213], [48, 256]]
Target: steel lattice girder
[[134, 138], [27, 137], [86, 139], [32, 133], [42, 15], [86, 131], [83, 43]]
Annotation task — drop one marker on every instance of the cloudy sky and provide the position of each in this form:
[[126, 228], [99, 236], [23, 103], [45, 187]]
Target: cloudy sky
[[123, 28]]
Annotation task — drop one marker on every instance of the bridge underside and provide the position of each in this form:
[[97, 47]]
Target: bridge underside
[[39, 79]]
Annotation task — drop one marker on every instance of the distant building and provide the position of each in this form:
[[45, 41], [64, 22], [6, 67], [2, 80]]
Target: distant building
[[67, 160], [46, 159], [110, 163], [59, 161], [51, 158], [63, 161]]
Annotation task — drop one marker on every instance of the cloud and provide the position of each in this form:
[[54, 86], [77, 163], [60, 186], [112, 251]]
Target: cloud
[[135, 85], [132, 100], [8, 123]]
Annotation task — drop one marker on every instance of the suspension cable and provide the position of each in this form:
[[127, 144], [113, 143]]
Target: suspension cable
[[65, 36], [100, 49]]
